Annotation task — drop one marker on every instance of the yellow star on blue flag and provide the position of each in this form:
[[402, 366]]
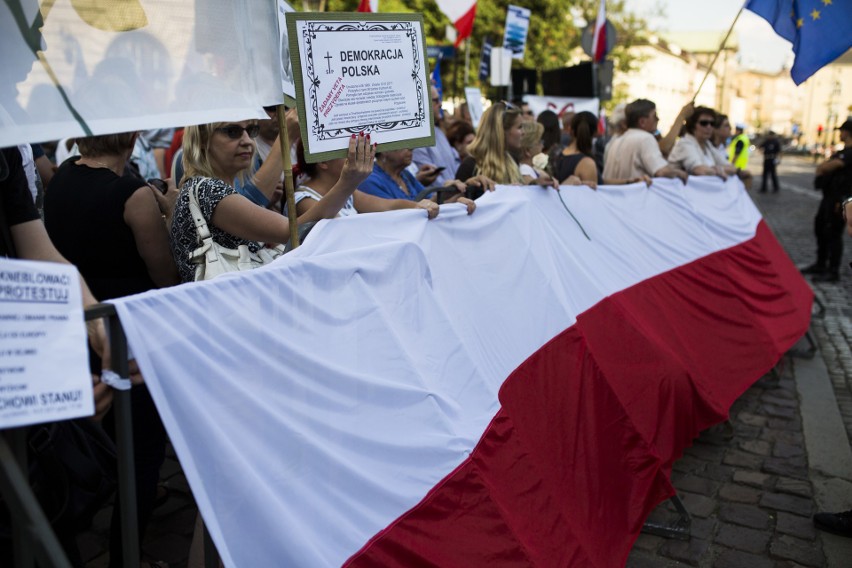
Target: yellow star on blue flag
[[818, 29]]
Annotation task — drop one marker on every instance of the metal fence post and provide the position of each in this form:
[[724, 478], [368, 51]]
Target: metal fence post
[[22, 544], [124, 443], [25, 508]]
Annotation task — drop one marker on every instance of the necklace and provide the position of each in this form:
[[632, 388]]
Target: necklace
[[102, 165], [401, 183]]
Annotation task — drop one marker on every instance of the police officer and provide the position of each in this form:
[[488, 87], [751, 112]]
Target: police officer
[[738, 149], [834, 178]]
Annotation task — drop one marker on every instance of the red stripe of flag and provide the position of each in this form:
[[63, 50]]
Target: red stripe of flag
[[590, 424]]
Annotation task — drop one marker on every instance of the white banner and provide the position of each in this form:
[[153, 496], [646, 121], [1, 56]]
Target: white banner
[[44, 364], [561, 105], [123, 66]]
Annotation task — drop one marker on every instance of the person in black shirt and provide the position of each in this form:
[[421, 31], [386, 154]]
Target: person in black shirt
[[22, 235], [834, 178], [771, 148]]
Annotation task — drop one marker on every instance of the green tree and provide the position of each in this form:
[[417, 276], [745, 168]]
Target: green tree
[[553, 40]]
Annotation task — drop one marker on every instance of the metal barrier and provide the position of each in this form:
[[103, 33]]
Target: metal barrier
[[33, 537]]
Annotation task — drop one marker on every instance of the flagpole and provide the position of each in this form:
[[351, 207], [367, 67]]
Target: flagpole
[[721, 47], [289, 189]]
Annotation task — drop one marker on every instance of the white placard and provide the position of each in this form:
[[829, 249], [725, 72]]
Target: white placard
[[501, 66], [288, 86], [364, 72], [474, 104], [44, 364]]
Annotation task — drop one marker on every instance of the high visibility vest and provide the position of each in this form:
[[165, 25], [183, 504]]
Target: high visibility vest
[[741, 161]]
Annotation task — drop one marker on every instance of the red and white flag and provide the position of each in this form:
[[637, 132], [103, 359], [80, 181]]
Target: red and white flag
[[461, 13], [368, 6], [395, 394], [599, 40]]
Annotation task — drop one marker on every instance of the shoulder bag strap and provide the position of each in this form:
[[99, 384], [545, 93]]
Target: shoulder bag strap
[[197, 218]]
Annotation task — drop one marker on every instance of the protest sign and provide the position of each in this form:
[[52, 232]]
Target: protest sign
[[501, 66], [44, 365], [360, 73], [485, 60], [474, 104], [517, 27]]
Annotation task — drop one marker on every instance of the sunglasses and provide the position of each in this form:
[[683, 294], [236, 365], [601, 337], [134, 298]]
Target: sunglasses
[[705, 123], [235, 131], [509, 106]]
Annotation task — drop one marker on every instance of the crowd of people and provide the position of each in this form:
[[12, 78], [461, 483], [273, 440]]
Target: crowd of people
[[108, 210]]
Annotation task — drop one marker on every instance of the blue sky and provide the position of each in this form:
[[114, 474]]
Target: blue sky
[[760, 47]]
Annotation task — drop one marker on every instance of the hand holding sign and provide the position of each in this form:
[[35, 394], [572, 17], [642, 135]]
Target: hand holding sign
[[360, 73]]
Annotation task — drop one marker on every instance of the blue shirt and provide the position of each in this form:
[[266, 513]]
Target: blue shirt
[[382, 185]]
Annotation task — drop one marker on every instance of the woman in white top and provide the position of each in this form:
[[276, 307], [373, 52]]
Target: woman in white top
[[694, 152], [324, 175]]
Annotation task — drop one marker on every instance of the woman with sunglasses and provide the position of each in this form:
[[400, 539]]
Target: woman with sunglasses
[[214, 156], [694, 152]]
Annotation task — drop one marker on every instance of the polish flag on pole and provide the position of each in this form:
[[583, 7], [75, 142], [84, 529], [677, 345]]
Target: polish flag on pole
[[368, 6], [599, 41], [461, 13]]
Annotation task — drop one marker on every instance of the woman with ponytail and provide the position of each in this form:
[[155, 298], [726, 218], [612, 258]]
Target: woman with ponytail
[[576, 159]]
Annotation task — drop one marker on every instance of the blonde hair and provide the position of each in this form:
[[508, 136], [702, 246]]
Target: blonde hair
[[196, 151], [489, 145], [532, 133]]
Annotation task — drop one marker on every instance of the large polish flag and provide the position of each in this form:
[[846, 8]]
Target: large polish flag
[[493, 389], [462, 14]]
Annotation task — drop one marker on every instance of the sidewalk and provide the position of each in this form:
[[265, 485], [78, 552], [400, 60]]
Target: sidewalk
[[752, 499]]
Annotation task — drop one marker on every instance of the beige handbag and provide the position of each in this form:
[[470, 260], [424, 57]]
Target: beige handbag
[[212, 259]]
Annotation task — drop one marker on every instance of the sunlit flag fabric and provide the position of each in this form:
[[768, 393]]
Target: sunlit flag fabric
[[462, 14], [368, 6], [818, 29], [599, 39], [104, 66], [483, 390]]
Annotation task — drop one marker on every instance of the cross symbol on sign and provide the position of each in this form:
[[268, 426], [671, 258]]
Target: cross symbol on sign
[[328, 59]]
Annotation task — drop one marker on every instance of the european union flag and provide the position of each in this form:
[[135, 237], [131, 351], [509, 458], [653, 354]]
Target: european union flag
[[818, 29]]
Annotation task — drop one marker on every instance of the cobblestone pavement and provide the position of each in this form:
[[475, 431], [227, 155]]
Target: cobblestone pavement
[[751, 499]]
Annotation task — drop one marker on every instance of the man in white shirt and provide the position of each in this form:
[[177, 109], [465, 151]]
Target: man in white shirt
[[636, 152]]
